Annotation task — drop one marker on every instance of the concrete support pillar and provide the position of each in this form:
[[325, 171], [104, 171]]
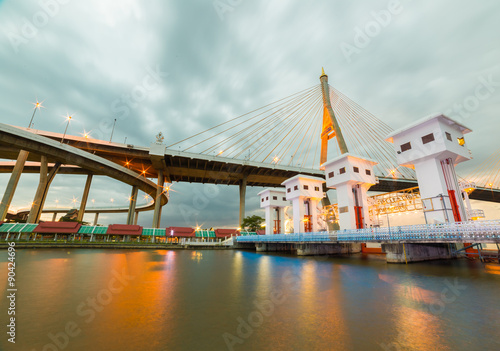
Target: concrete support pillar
[[281, 214], [42, 190], [12, 184], [85, 197], [54, 217], [269, 220], [298, 215], [243, 192], [136, 217], [131, 207], [42, 185], [313, 203], [96, 218], [159, 191]]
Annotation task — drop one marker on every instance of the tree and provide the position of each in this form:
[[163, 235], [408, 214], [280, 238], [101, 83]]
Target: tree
[[252, 223]]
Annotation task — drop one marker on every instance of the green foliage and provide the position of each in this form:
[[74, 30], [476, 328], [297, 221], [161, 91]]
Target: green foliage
[[252, 223]]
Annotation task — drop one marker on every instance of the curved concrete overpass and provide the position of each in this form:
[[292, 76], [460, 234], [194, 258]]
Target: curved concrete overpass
[[16, 138]]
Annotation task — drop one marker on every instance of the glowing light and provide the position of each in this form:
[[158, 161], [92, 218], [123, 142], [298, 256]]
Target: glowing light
[[127, 163], [85, 134], [490, 185], [263, 225], [197, 228], [37, 104], [461, 141], [276, 159], [112, 200]]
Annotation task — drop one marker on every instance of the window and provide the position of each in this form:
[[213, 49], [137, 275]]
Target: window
[[342, 170], [405, 147], [267, 198], [355, 169], [427, 138], [306, 187], [461, 141], [284, 198], [262, 200], [448, 136], [296, 187], [316, 188], [330, 175], [275, 198], [288, 190], [368, 172]]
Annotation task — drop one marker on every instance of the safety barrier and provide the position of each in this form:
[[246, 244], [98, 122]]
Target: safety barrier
[[473, 231]]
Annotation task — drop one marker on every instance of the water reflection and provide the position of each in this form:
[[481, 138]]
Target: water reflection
[[196, 256], [172, 300]]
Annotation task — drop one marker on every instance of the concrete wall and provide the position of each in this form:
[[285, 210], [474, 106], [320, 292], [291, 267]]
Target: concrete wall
[[395, 253]]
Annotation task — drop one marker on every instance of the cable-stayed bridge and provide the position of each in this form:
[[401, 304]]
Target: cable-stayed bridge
[[260, 148]]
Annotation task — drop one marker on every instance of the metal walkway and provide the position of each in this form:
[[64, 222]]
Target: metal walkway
[[464, 232]]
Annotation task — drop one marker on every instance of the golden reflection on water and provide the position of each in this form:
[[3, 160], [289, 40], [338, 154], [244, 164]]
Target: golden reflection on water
[[146, 298], [321, 291], [492, 269], [196, 256], [416, 316], [263, 282], [237, 272]]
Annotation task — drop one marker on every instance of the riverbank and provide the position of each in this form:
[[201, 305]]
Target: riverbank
[[103, 245]]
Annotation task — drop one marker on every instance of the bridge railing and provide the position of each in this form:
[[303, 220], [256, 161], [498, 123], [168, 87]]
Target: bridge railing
[[473, 231], [285, 238]]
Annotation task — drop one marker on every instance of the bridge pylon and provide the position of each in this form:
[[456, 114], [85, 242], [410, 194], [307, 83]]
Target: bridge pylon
[[331, 127]]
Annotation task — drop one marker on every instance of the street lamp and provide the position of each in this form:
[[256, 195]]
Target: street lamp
[[67, 125], [112, 131], [38, 105]]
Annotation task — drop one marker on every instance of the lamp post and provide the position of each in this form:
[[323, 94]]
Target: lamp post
[[65, 130], [112, 131], [38, 105]]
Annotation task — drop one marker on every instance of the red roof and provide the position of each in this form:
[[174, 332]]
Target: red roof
[[221, 233], [124, 229], [180, 231], [58, 227], [260, 232], [1, 222]]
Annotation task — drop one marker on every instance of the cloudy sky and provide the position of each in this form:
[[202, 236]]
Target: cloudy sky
[[203, 62]]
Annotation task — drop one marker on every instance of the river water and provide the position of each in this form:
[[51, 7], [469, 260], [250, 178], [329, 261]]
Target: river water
[[77, 299]]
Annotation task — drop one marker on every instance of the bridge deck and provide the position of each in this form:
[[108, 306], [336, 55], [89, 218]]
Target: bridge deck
[[461, 232]]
